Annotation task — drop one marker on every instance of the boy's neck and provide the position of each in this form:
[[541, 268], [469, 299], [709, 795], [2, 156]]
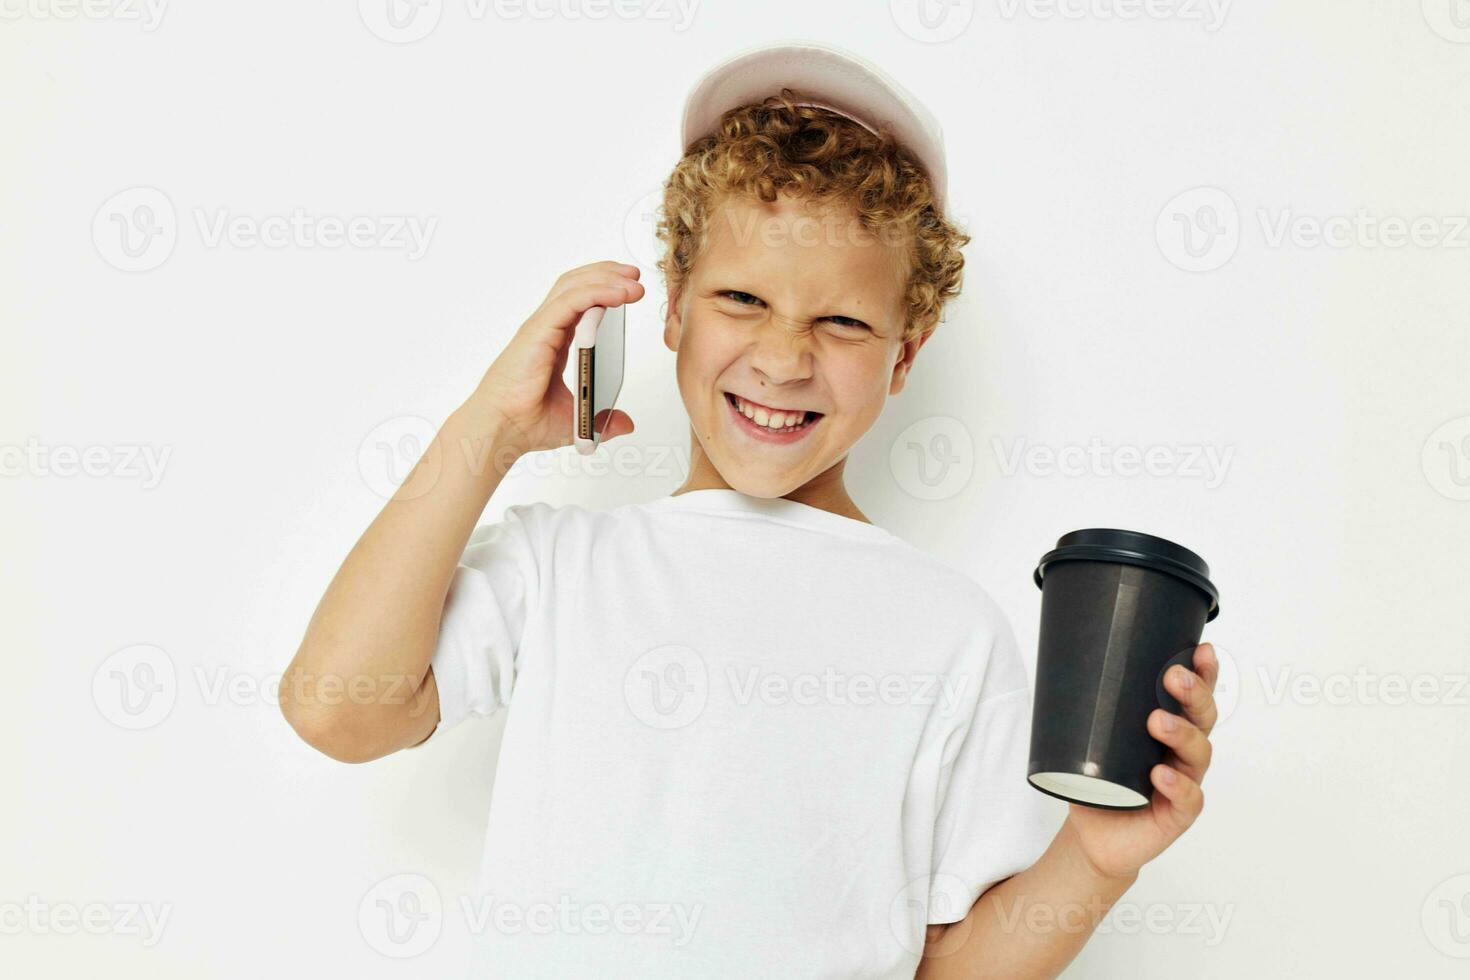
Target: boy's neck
[[825, 491]]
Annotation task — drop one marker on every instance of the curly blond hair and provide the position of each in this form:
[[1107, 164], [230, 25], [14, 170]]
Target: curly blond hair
[[776, 145]]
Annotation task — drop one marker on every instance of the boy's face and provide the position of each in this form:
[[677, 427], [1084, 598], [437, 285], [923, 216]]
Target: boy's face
[[794, 311]]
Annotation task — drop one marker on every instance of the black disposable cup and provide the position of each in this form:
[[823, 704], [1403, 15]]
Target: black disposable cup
[[1118, 609]]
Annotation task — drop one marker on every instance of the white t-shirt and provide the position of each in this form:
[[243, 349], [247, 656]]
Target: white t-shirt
[[746, 737]]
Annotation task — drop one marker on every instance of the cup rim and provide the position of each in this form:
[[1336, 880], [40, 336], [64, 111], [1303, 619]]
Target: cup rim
[[1120, 546]]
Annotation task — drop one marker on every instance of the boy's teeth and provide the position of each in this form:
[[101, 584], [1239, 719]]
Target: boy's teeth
[[770, 420]]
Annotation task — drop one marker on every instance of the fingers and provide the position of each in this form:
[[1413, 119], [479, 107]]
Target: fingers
[[611, 290], [1188, 734], [1191, 747], [593, 274], [554, 322], [1195, 693], [594, 268], [1207, 664], [1183, 796], [566, 307]]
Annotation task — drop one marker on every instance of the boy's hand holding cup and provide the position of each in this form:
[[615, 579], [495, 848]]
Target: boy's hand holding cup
[[1124, 699]]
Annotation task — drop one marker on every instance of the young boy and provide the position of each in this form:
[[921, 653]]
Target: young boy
[[749, 733]]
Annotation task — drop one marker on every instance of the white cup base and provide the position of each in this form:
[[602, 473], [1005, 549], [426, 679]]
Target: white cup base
[[1087, 789]]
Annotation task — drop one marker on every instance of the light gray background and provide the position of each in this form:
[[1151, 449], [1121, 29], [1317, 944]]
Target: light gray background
[[1329, 380]]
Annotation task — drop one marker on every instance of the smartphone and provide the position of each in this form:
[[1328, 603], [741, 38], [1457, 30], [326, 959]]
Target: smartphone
[[596, 364]]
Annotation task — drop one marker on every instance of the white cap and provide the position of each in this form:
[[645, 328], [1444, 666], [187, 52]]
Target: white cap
[[834, 79]]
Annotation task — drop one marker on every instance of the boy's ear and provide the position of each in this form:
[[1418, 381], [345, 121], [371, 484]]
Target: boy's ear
[[673, 321], [905, 361]]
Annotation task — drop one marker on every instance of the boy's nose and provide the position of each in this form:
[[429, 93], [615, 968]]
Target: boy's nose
[[782, 351]]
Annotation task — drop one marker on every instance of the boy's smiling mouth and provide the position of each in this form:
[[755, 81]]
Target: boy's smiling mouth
[[770, 424]]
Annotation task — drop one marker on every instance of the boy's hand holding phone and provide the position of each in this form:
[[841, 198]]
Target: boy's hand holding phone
[[523, 393], [375, 629]]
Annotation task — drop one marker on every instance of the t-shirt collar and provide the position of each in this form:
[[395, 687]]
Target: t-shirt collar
[[724, 500]]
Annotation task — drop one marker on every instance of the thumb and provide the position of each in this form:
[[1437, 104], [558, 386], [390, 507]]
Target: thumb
[[618, 424]]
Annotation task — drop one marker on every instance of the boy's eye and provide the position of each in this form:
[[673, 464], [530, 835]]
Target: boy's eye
[[746, 299]]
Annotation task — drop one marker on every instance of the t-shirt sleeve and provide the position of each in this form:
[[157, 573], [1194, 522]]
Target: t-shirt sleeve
[[991, 822], [493, 591]]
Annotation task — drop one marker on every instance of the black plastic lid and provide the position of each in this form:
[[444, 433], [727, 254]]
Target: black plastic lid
[[1133, 548]]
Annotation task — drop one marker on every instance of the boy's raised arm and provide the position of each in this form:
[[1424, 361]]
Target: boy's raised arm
[[360, 686]]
